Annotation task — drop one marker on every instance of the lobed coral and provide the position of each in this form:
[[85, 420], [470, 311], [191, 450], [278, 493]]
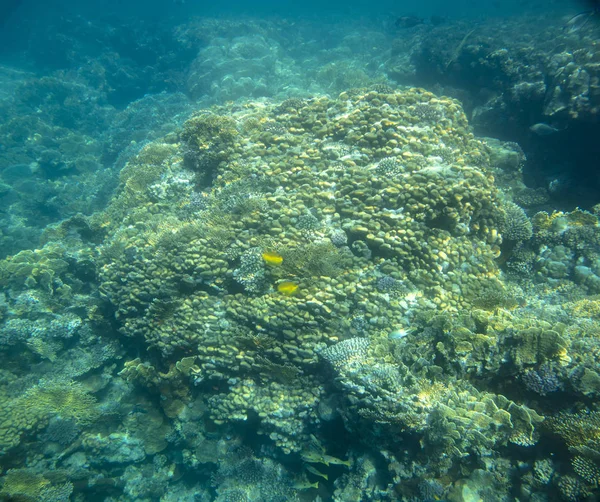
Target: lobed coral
[[31, 411], [197, 285]]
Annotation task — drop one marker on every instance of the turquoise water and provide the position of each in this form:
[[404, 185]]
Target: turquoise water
[[281, 251]]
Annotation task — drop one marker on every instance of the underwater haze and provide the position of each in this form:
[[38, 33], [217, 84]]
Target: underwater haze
[[165, 9], [313, 251]]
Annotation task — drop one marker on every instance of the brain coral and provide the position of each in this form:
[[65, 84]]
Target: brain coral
[[177, 271]]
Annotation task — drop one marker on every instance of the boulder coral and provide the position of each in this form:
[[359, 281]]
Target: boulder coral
[[398, 173]]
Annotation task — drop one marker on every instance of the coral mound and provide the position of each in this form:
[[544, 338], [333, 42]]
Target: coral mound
[[397, 174]]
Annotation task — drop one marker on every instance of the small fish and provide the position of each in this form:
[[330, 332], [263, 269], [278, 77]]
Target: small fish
[[336, 461], [397, 334], [543, 129], [314, 471], [304, 484], [578, 21], [408, 21], [287, 288], [313, 457], [138, 408], [272, 258], [315, 444]]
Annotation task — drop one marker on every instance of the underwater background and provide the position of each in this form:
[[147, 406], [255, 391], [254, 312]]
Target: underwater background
[[312, 251]]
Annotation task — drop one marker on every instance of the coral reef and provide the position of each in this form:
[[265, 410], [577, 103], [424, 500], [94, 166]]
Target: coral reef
[[206, 235], [523, 81], [293, 295]]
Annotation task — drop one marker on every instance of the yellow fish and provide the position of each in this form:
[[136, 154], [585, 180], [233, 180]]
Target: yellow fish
[[272, 258], [313, 457], [314, 471], [336, 461], [287, 288], [303, 484]]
